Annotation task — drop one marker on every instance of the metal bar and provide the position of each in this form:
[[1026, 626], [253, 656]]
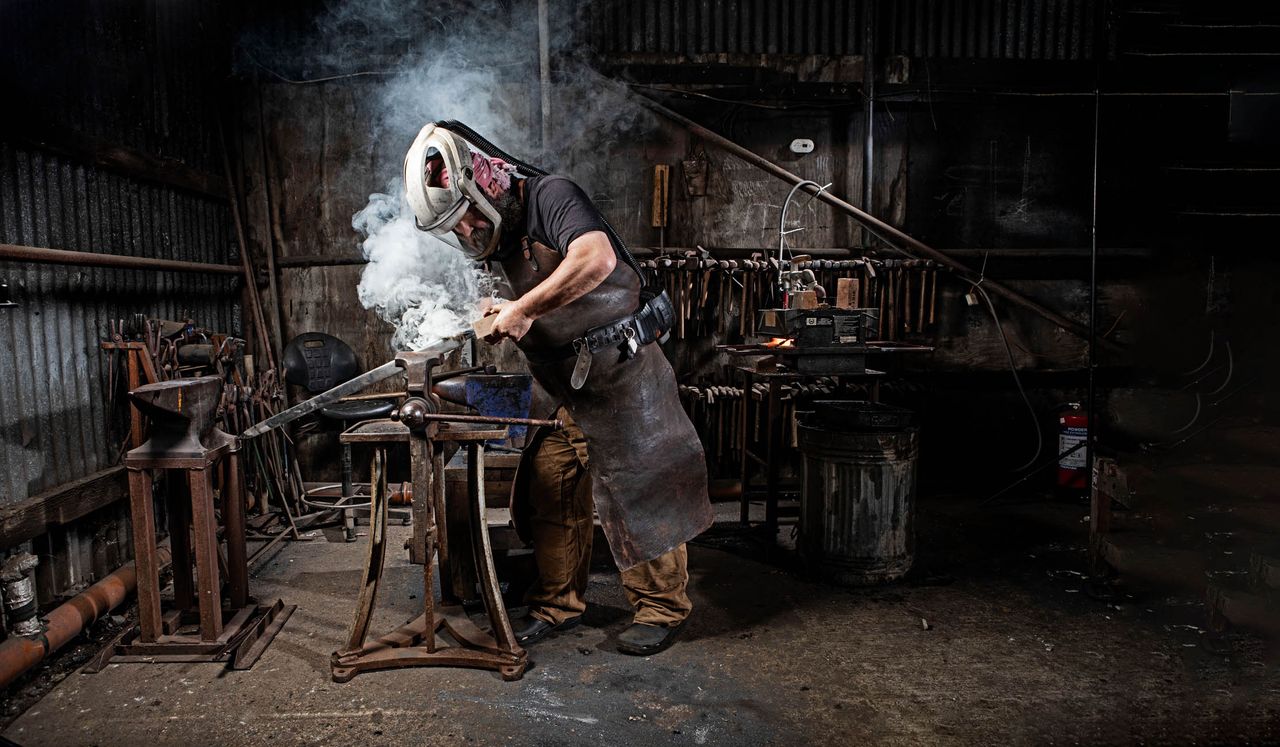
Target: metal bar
[[896, 238], [273, 240], [1091, 427], [374, 396], [451, 418], [303, 522], [544, 75], [744, 473], [45, 255], [135, 414], [319, 260], [869, 90], [722, 252], [372, 576], [251, 283], [482, 552], [368, 378]]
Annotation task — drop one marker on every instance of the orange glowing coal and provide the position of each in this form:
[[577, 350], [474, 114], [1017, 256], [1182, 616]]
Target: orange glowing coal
[[780, 342]]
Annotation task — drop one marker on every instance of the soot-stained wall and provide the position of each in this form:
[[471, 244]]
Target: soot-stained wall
[[108, 146], [985, 134]]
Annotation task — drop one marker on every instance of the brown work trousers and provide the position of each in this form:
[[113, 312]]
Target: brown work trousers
[[562, 526]]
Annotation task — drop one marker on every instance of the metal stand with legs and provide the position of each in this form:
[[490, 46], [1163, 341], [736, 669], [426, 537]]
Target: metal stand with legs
[[415, 643]]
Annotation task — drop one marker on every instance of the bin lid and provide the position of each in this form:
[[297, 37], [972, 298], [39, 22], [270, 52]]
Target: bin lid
[[855, 416]]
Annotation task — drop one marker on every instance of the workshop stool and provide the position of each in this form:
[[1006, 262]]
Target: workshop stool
[[346, 413], [318, 362]]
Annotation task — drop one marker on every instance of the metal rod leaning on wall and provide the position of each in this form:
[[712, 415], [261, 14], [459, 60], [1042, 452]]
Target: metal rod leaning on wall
[[894, 237], [544, 77], [274, 235], [869, 89], [43, 255], [18, 654], [246, 266]]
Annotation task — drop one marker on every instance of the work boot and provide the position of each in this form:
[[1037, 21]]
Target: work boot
[[529, 629], [644, 640]]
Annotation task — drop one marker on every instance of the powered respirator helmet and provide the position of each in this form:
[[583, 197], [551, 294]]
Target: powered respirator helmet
[[444, 177]]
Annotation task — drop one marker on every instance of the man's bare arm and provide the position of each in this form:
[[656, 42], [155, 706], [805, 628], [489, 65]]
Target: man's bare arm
[[588, 261]]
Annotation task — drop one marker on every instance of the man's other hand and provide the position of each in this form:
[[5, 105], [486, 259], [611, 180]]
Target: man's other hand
[[511, 322]]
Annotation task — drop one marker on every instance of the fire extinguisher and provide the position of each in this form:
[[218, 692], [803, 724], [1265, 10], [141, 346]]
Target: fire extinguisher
[[1073, 431]]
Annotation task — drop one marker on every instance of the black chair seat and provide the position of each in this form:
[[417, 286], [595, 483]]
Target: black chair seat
[[366, 409]]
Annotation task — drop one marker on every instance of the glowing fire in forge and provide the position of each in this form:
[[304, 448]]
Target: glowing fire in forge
[[780, 342]]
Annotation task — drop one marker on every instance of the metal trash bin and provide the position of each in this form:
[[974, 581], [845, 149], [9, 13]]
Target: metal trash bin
[[858, 492]]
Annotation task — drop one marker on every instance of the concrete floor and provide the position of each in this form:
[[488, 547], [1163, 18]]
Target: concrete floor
[[995, 641]]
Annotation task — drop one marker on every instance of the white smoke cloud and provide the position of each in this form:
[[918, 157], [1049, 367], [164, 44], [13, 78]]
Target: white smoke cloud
[[424, 286], [475, 61]]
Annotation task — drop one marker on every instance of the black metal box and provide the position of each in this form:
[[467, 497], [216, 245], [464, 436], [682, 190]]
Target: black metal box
[[822, 327]]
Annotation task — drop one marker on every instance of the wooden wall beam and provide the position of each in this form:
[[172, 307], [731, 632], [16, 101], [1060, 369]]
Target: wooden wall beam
[[59, 506]]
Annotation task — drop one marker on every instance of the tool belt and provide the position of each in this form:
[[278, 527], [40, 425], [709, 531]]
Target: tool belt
[[653, 321]]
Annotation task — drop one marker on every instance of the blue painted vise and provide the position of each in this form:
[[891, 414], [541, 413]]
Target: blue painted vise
[[493, 395]]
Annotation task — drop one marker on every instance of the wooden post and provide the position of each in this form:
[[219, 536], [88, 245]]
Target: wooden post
[[205, 530], [135, 415], [233, 517], [144, 554], [180, 544]]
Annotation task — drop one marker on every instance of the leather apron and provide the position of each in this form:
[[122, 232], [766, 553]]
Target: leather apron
[[648, 471]]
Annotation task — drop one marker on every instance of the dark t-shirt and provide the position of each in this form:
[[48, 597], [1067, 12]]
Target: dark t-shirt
[[558, 211]]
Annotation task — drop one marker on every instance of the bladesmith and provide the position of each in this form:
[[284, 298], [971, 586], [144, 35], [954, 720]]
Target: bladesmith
[[586, 323]]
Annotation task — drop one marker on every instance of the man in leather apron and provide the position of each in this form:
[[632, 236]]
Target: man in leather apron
[[586, 328]]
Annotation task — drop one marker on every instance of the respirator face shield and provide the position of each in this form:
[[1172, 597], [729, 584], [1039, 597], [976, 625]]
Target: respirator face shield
[[440, 181]]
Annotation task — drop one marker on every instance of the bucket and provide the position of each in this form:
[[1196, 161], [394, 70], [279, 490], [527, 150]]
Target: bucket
[[857, 500]]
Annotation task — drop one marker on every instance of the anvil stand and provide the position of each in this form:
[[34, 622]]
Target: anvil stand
[[198, 628], [414, 644]]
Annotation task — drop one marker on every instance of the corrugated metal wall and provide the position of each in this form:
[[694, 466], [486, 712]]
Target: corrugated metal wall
[[53, 421], [995, 29], [139, 74], [134, 75], [1005, 29], [832, 27]]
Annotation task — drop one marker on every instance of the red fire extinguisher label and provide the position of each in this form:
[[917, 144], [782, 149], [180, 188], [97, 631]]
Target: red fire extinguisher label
[[1068, 438]]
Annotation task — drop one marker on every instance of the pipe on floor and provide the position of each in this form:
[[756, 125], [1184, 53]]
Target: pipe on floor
[[17, 654]]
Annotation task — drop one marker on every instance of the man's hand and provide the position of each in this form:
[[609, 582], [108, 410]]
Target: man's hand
[[511, 321], [589, 261]]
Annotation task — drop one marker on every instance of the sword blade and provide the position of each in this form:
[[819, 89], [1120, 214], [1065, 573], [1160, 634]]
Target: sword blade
[[351, 386]]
